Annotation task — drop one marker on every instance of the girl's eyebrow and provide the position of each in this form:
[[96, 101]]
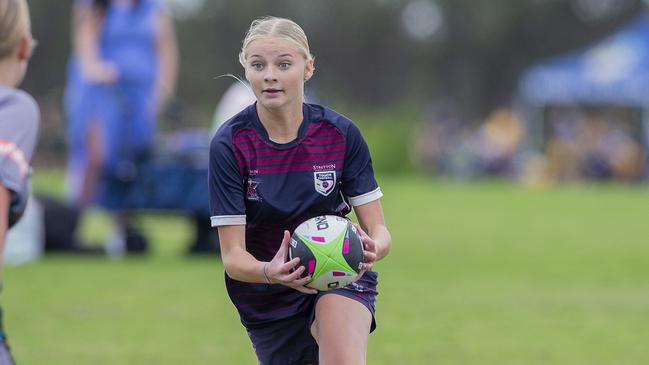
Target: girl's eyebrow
[[284, 55]]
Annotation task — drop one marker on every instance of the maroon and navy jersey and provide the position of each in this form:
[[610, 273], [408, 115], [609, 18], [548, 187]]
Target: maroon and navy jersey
[[272, 187]]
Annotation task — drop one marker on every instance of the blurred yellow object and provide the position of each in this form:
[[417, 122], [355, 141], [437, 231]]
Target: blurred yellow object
[[503, 131]]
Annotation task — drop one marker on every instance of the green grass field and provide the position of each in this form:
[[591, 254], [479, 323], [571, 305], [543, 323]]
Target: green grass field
[[486, 273]]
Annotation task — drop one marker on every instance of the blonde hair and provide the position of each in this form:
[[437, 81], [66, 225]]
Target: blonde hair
[[271, 26], [14, 24]]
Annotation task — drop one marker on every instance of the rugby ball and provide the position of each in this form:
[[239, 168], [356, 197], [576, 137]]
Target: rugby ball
[[330, 249]]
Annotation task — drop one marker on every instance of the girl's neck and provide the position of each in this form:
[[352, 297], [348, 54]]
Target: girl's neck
[[282, 125], [8, 70]]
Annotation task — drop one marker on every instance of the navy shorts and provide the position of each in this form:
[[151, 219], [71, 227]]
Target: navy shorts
[[289, 341]]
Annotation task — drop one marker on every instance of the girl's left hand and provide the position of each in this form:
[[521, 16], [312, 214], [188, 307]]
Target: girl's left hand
[[369, 250]]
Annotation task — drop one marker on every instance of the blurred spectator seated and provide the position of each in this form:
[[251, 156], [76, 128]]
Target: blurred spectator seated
[[594, 144], [499, 141], [449, 144]]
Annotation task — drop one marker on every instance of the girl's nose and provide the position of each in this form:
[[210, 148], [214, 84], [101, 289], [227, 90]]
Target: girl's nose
[[270, 75]]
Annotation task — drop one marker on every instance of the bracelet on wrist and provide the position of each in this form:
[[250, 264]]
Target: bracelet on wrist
[[266, 275]]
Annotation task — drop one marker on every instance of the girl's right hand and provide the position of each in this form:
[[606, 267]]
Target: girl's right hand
[[101, 72], [278, 270]]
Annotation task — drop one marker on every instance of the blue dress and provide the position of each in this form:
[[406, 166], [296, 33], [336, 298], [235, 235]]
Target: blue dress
[[124, 110]]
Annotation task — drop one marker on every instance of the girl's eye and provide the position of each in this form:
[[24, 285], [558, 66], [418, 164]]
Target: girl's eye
[[284, 65], [257, 66]]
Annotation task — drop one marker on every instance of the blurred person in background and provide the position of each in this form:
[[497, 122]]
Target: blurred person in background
[[121, 75], [499, 142], [19, 119], [611, 150], [596, 145]]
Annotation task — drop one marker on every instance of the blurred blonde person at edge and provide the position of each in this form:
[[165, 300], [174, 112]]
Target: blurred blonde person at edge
[[263, 166], [19, 119], [122, 73]]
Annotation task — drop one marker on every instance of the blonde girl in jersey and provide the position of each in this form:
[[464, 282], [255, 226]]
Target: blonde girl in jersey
[[263, 163]]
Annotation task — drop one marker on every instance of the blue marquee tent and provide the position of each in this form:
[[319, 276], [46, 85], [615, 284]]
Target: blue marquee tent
[[613, 72]]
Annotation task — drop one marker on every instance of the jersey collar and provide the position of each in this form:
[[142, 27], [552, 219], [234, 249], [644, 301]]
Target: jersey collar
[[310, 113]]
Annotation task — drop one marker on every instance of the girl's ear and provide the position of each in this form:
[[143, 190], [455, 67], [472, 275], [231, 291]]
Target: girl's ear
[[309, 69], [25, 48]]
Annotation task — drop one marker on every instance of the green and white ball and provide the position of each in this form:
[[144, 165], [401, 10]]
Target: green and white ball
[[330, 249]]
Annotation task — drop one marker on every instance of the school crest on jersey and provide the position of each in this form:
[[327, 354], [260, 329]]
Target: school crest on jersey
[[251, 191], [324, 181]]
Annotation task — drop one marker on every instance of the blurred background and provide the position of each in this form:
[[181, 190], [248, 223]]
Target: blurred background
[[448, 70], [509, 138]]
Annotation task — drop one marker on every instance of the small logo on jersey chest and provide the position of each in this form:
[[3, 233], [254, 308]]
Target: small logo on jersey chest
[[324, 181], [251, 191]]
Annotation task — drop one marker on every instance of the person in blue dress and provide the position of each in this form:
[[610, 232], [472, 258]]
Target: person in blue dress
[[19, 119], [121, 74]]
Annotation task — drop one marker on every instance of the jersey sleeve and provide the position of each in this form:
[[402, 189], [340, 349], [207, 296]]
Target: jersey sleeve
[[358, 182], [19, 118], [227, 205]]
